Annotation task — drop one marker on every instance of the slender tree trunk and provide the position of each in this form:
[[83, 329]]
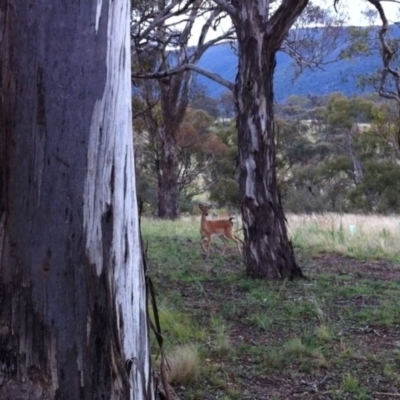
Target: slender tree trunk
[[167, 176], [357, 165], [268, 251], [73, 320], [358, 168], [174, 102]]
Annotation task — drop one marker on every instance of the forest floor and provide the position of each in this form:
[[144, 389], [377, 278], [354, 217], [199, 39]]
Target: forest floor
[[333, 336]]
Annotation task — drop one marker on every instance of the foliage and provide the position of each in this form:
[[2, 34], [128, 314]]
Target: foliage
[[318, 152], [224, 185], [200, 100], [316, 166], [198, 149], [160, 42]]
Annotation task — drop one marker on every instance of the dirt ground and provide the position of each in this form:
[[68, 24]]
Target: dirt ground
[[358, 300]]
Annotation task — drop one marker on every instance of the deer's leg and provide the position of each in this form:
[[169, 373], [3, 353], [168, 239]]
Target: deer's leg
[[202, 244], [236, 239], [209, 245], [239, 242], [225, 244]]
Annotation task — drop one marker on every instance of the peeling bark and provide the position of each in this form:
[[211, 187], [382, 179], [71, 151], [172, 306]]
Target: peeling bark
[[73, 321], [268, 251]]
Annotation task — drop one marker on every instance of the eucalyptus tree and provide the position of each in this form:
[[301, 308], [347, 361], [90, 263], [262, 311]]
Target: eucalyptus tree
[[161, 33], [72, 288], [198, 150], [386, 79], [262, 28], [389, 82]]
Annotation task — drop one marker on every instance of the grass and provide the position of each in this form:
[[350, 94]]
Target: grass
[[230, 337], [184, 365], [374, 236]]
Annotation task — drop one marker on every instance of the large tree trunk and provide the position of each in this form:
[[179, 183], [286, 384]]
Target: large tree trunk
[[73, 320], [268, 251]]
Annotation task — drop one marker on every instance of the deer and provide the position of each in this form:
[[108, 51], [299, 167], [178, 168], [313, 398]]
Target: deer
[[221, 227]]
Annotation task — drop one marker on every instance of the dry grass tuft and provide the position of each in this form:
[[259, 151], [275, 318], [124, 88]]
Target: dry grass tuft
[[184, 365], [324, 333]]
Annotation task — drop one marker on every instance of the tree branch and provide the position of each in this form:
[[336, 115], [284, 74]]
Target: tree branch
[[186, 67], [392, 1], [162, 16], [283, 18], [185, 34], [228, 8], [201, 49], [387, 56]]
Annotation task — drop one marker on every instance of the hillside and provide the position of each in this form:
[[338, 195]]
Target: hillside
[[340, 76]]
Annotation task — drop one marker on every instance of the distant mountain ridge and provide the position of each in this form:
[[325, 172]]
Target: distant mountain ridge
[[339, 76]]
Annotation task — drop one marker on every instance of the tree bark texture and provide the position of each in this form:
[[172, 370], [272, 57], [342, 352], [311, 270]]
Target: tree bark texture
[[174, 101], [73, 320], [268, 251], [167, 174]]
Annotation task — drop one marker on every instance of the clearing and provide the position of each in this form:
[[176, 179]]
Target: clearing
[[336, 336]]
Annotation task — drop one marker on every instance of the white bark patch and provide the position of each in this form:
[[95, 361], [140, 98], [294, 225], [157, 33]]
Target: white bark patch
[[260, 56], [248, 218], [98, 13], [263, 8], [254, 252], [253, 134], [280, 230], [111, 149], [263, 116], [240, 103], [250, 165], [266, 189], [53, 363]]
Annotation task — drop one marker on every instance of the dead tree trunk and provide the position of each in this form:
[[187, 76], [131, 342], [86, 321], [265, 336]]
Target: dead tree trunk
[[73, 321], [268, 251]]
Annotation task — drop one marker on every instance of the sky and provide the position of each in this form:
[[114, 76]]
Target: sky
[[353, 9]]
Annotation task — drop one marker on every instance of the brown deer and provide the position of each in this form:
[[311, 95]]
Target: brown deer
[[221, 227]]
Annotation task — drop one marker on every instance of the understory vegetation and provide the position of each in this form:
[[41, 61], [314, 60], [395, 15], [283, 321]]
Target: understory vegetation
[[335, 154], [333, 336]]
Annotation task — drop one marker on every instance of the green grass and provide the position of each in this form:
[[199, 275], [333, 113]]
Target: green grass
[[239, 336]]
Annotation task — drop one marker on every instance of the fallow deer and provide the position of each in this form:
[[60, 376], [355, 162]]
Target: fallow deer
[[221, 227]]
